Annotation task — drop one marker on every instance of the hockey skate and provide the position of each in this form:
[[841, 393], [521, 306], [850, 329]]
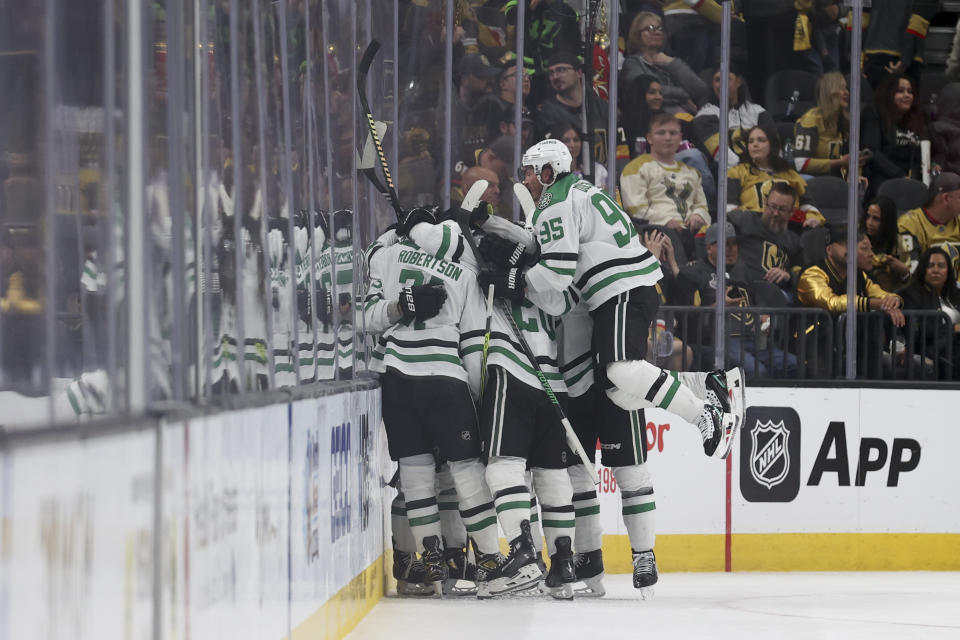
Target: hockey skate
[[589, 568], [461, 574], [435, 568], [559, 580], [410, 575], [498, 575], [717, 430], [644, 572], [725, 392]]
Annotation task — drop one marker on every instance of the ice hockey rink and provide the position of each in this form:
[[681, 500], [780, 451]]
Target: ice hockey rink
[[694, 605]]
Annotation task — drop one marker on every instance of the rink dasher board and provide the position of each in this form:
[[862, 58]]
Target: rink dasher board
[[797, 499], [271, 526]]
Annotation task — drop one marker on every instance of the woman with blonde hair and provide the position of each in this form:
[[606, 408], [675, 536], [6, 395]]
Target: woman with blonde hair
[[682, 88], [820, 142]]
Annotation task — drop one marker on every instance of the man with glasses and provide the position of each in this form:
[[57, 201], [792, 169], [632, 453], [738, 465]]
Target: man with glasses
[[565, 106], [770, 254]]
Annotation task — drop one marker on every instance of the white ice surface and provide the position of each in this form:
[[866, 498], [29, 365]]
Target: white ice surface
[[697, 605]]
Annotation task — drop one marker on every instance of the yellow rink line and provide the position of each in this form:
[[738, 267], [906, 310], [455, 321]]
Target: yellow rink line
[[796, 552], [341, 613]]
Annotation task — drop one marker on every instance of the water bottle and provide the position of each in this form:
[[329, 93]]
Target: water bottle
[[663, 341], [792, 105], [787, 153]]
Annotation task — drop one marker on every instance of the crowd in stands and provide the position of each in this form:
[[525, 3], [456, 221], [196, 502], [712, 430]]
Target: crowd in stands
[[789, 114]]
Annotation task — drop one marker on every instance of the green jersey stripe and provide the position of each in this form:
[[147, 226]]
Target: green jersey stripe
[[619, 276]]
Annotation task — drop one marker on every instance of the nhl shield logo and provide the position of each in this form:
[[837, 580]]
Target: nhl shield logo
[[769, 455]]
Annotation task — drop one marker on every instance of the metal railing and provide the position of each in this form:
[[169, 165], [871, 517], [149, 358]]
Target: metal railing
[[799, 343]]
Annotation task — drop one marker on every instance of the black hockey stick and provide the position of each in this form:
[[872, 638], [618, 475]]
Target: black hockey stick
[[362, 70], [463, 219]]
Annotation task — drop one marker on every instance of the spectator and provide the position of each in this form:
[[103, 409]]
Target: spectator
[[662, 190], [934, 223], [770, 254], [934, 288], [953, 60], [821, 134], [665, 349], [770, 27], [574, 141], [750, 181], [879, 222], [493, 108], [826, 35], [682, 88], [491, 195], [565, 105], [945, 130], [892, 128], [697, 286], [498, 158], [824, 286], [893, 43], [742, 116], [642, 99], [693, 29]]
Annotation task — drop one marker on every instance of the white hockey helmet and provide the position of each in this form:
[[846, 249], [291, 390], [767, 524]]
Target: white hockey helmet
[[550, 152]]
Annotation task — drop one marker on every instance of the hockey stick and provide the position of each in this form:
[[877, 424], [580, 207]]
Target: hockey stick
[[362, 70], [470, 201], [463, 219], [486, 340]]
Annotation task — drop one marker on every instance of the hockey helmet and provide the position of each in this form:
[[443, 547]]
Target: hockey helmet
[[550, 152]]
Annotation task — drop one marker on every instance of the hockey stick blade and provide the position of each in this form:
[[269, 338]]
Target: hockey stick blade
[[527, 205], [362, 70]]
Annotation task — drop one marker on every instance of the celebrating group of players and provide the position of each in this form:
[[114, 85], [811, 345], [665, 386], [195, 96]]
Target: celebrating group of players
[[475, 393]]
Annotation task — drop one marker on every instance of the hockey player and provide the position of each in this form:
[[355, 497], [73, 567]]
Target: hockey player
[[519, 429], [417, 303], [590, 249]]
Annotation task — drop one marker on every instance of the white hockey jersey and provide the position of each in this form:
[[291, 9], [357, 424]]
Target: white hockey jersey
[[445, 240], [432, 347], [587, 243], [335, 352]]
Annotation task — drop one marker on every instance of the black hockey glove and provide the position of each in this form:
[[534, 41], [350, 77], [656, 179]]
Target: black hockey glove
[[501, 252], [324, 305], [480, 214], [411, 217], [507, 283], [422, 301]]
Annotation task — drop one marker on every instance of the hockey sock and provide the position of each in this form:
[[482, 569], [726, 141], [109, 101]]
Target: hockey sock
[[641, 385], [454, 533], [505, 478], [535, 529], [636, 496], [419, 492], [402, 536], [478, 515], [556, 505], [586, 506], [696, 381]]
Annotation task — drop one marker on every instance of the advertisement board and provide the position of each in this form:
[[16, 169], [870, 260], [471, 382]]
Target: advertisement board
[[78, 539]]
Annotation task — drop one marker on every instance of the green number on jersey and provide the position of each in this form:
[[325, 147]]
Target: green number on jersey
[[615, 217], [551, 230]]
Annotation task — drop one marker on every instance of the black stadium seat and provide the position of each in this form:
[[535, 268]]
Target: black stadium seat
[[829, 194], [780, 90], [907, 193]]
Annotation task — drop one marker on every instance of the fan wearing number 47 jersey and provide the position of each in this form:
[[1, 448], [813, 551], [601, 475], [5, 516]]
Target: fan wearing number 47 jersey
[[589, 246], [519, 429], [417, 303]]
